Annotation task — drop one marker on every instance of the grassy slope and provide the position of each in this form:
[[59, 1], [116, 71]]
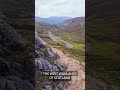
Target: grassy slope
[[102, 19], [73, 35], [77, 52]]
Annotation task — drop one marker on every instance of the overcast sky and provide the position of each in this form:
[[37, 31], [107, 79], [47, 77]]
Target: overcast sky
[[69, 8]]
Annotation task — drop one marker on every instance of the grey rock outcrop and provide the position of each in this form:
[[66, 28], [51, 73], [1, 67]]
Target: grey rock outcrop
[[49, 61], [49, 53], [14, 83], [47, 87], [62, 65], [68, 45], [39, 41], [18, 67], [43, 65], [11, 41], [4, 66]]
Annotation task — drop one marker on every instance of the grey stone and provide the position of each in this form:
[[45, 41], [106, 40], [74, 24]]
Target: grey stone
[[55, 68], [37, 54], [60, 86], [4, 66], [10, 40], [14, 83], [48, 87], [61, 64], [28, 85], [17, 66], [38, 40], [43, 64], [49, 53]]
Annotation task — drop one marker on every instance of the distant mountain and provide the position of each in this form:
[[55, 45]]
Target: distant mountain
[[72, 23], [52, 20], [72, 29], [75, 26]]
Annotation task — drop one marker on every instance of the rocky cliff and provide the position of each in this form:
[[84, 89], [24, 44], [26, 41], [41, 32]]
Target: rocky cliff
[[11, 41]]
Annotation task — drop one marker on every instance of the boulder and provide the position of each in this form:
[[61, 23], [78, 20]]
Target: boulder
[[49, 53], [47, 87], [38, 41], [55, 68], [43, 64], [37, 54], [10, 40], [59, 86], [14, 83], [61, 64]]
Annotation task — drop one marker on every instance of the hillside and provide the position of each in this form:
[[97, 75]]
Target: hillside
[[70, 30], [41, 26], [103, 17], [73, 27], [20, 14], [102, 31], [17, 8], [69, 38], [76, 63]]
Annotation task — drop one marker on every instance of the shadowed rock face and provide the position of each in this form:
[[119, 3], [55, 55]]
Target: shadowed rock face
[[14, 83], [10, 40]]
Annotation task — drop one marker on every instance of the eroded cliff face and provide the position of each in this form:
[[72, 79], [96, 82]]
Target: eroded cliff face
[[11, 41]]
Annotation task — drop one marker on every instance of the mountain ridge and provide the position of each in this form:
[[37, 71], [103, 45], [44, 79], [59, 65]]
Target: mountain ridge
[[51, 20]]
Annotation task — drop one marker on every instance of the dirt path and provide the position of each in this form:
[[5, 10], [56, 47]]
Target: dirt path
[[77, 82]]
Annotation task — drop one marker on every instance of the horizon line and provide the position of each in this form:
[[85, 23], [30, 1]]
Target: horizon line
[[58, 16]]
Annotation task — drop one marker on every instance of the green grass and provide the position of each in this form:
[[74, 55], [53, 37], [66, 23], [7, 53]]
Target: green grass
[[104, 61], [79, 46], [71, 38], [77, 52]]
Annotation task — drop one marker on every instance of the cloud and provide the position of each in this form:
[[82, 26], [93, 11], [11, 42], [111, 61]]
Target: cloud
[[72, 8]]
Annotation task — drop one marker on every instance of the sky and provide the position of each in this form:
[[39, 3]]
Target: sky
[[58, 8]]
